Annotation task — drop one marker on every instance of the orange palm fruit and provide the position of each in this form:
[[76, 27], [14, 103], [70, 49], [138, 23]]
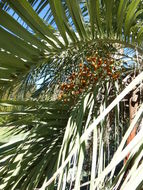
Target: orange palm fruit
[[98, 65], [83, 73], [60, 97], [85, 68], [92, 75], [80, 90], [71, 85], [93, 59], [89, 59], [88, 69], [111, 61], [93, 64], [65, 100], [70, 78], [118, 74], [77, 92], [99, 62], [73, 92], [62, 86], [108, 69], [95, 67], [115, 75], [109, 73], [89, 75], [83, 82], [68, 86]]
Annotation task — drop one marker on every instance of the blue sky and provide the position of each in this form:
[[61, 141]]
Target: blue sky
[[42, 13]]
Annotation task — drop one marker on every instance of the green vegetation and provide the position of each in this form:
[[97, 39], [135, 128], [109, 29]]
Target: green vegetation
[[3, 135], [81, 128]]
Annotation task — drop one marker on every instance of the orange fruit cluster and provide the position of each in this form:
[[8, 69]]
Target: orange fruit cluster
[[87, 74], [106, 67]]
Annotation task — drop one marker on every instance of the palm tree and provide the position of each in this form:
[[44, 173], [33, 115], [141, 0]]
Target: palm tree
[[74, 127]]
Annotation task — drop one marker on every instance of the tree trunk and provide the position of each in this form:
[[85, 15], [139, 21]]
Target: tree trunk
[[133, 107]]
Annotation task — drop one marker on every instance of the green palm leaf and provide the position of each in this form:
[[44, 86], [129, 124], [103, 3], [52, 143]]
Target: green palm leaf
[[80, 141]]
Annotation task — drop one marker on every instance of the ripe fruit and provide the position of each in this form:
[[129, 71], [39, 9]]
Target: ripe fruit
[[77, 92], [88, 59], [80, 90], [73, 92], [85, 68], [115, 75], [60, 97], [111, 61], [68, 86], [93, 59], [87, 75], [109, 73], [65, 100]]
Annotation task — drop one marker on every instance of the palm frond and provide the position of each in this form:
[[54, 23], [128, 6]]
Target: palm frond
[[80, 142], [37, 47]]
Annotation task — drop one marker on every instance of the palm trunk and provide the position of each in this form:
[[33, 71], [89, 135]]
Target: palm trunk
[[133, 107]]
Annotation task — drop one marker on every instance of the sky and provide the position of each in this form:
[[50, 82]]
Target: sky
[[42, 14]]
